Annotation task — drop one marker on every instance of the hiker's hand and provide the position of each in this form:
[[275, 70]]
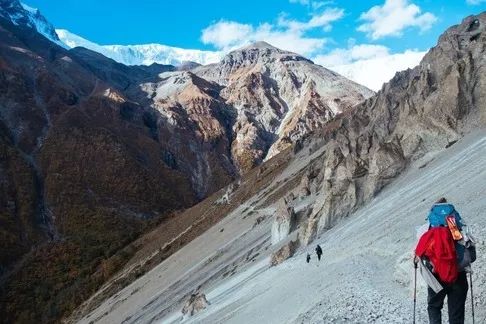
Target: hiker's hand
[[416, 260]]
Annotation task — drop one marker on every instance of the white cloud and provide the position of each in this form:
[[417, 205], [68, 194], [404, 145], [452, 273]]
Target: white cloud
[[226, 34], [322, 20], [343, 56], [325, 18], [319, 4], [287, 34], [475, 2], [302, 2], [393, 17], [369, 65], [313, 4]]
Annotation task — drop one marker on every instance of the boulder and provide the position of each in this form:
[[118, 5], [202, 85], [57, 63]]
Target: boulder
[[282, 254], [226, 197], [195, 304]]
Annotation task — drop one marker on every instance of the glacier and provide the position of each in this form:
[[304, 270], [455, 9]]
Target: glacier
[[145, 54]]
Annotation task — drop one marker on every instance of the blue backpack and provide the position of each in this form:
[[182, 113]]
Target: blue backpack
[[466, 251], [439, 212]]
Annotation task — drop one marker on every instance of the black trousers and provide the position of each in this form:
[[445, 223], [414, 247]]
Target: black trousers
[[456, 300]]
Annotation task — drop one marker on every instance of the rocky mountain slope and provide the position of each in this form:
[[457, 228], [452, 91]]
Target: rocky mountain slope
[[81, 176], [271, 98], [94, 153], [421, 137], [234, 114], [215, 128]]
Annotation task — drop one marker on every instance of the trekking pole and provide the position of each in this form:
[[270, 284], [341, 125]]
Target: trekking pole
[[472, 295], [414, 290]]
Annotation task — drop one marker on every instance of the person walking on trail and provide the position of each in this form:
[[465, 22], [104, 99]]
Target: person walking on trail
[[444, 254], [318, 252], [308, 257]]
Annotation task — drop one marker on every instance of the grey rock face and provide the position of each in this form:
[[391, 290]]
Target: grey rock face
[[419, 111], [307, 183], [308, 231], [283, 223]]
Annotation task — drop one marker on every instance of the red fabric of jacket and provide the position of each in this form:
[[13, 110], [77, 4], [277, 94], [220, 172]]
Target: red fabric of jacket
[[437, 245]]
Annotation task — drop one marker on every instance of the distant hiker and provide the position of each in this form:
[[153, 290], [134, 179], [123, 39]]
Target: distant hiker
[[444, 254], [318, 252], [308, 258]]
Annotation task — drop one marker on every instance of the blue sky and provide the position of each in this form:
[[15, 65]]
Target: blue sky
[[180, 23]]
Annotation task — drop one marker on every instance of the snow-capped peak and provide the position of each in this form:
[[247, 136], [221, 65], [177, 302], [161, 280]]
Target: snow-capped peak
[[33, 11], [72, 40], [145, 54], [22, 14]]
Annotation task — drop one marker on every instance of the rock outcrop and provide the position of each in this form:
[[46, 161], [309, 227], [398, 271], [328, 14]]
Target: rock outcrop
[[284, 221], [226, 198], [196, 303]]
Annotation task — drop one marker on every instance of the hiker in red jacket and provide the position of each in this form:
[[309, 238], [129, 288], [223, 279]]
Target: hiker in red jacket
[[445, 253]]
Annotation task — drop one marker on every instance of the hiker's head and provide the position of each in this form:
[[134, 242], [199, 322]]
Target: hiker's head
[[441, 200]]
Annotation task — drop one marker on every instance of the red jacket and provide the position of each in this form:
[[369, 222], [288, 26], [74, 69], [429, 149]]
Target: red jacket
[[437, 245]]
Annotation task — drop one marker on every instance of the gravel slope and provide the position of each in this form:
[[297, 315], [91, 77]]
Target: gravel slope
[[364, 277], [366, 274]]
